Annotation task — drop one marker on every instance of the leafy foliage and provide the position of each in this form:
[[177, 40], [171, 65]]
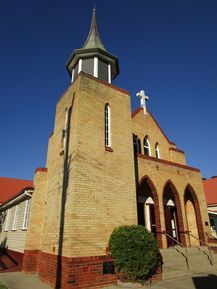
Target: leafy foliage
[[135, 251], [2, 286]]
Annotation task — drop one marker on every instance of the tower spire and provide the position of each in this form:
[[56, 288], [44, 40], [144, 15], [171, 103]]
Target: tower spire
[[93, 58], [93, 38]]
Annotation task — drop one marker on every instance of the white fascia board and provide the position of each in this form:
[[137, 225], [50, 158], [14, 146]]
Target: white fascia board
[[22, 196], [212, 212]]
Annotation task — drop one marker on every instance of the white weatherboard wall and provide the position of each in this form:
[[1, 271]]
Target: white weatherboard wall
[[14, 239]]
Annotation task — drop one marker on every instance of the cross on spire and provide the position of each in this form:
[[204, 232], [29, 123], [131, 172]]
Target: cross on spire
[[143, 99]]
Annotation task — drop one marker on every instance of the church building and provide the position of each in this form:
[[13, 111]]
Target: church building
[[106, 166]]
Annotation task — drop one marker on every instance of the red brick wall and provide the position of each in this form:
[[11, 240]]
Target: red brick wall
[[30, 261], [73, 273], [10, 261], [78, 273]]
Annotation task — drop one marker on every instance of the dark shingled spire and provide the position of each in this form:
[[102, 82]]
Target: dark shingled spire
[[93, 58], [93, 38]]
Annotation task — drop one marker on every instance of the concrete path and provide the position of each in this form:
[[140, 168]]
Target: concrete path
[[199, 281], [18, 280]]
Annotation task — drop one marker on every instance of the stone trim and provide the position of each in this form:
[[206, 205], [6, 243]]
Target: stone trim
[[177, 150], [40, 169], [197, 212], [108, 149], [156, 208], [168, 163], [104, 82], [181, 230], [95, 79]]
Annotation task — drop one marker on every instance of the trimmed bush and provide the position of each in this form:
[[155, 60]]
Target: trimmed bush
[[135, 251]]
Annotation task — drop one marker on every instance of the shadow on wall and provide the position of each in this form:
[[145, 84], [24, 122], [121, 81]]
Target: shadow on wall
[[3, 244], [65, 181], [2, 219], [10, 261], [204, 282]]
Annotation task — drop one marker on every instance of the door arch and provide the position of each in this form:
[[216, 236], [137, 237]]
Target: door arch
[[173, 215], [148, 208], [193, 217]]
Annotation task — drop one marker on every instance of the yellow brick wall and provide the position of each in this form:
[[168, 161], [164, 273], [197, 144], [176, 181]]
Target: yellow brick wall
[[145, 125], [98, 186], [36, 217], [160, 173]]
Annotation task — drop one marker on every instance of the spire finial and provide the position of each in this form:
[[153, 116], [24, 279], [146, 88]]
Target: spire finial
[[93, 38]]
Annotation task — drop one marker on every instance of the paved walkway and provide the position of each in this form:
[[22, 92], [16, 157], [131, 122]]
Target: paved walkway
[[18, 280], [199, 281]]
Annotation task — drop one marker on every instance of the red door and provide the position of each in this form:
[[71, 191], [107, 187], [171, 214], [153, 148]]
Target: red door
[[171, 225]]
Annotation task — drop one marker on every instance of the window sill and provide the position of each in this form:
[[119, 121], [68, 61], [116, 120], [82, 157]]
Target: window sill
[[24, 229], [61, 152], [13, 229], [108, 149]]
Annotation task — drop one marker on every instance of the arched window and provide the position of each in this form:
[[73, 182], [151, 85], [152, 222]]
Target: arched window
[[157, 151], [147, 148], [136, 145], [107, 126], [64, 136]]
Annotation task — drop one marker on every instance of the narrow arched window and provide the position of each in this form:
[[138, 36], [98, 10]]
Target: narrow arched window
[[147, 148], [107, 126], [157, 151], [136, 145], [64, 135]]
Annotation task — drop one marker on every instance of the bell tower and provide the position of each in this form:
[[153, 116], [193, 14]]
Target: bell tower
[[93, 58]]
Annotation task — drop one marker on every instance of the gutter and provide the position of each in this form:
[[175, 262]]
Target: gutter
[[22, 196]]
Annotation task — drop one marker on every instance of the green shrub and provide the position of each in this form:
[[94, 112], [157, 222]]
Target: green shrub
[[135, 251], [2, 286]]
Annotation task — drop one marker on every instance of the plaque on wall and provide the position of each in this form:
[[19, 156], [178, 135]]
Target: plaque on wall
[[108, 267]]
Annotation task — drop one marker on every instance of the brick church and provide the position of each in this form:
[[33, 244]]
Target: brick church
[[106, 167]]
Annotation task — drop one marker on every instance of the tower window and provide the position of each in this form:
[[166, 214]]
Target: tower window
[[157, 151], [147, 148], [66, 127], [107, 126]]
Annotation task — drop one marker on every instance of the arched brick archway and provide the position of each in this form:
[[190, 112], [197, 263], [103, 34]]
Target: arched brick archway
[[170, 192], [190, 195], [145, 183]]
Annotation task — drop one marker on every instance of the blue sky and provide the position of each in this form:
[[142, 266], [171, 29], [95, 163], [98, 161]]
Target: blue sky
[[166, 47]]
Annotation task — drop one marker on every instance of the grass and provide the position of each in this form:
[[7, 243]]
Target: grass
[[3, 286]]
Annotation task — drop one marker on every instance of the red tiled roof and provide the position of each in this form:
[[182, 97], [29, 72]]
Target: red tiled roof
[[9, 187], [210, 189]]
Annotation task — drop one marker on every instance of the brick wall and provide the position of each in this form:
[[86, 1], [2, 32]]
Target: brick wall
[[75, 273]]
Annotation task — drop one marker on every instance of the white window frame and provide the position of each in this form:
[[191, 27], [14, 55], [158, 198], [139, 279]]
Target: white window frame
[[26, 214], [7, 220], [147, 146], [14, 226], [107, 125], [157, 151]]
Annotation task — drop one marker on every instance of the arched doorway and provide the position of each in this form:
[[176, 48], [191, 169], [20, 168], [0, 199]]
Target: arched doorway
[[173, 215], [193, 217], [148, 208]]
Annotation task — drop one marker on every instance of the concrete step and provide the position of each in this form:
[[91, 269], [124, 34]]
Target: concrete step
[[175, 265], [175, 274]]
